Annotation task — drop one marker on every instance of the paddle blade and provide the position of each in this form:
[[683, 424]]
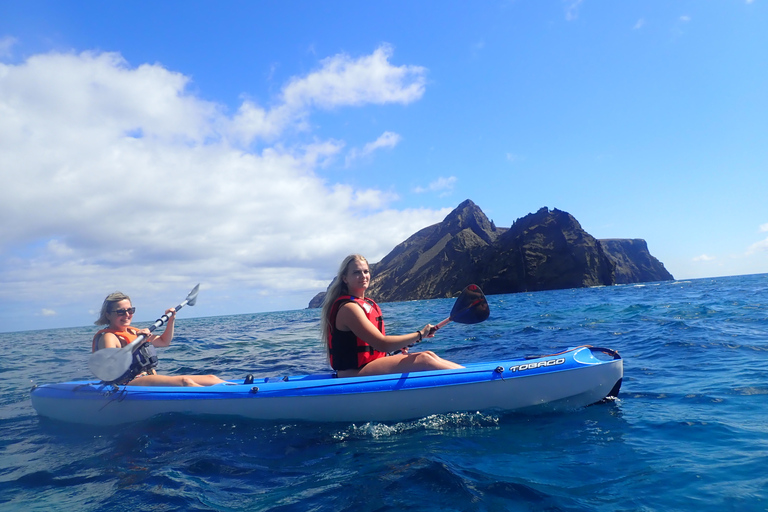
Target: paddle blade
[[109, 364], [192, 297], [471, 307]]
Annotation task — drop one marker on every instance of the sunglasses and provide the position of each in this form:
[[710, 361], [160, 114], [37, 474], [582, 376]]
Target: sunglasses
[[127, 311]]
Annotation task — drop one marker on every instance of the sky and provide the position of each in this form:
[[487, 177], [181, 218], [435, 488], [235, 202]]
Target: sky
[[249, 146]]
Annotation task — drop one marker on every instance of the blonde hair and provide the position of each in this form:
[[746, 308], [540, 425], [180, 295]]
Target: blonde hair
[[337, 288], [106, 307]]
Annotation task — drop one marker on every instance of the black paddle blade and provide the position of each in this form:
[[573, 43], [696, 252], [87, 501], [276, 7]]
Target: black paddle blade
[[471, 306]]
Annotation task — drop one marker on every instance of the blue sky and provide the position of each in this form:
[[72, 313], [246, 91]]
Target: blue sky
[[249, 146]]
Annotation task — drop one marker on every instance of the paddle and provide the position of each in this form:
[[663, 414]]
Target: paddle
[[470, 307], [109, 364]]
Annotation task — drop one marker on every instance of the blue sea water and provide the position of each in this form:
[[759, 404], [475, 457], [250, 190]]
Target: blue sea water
[[688, 433]]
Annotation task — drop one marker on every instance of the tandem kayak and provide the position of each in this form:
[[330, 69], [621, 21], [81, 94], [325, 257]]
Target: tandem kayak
[[568, 380]]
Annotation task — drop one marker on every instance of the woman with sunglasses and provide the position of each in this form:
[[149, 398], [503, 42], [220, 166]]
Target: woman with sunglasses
[[117, 313]]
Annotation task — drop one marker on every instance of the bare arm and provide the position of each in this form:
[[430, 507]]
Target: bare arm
[[108, 340], [165, 339], [351, 318]]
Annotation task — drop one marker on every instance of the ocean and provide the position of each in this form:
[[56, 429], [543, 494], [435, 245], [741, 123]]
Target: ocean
[[689, 431]]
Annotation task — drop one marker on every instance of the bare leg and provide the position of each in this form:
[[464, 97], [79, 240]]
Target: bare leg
[[176, 380], [403, 363]]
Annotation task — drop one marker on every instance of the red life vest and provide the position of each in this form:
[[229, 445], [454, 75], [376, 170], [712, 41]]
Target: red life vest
[[346, 350], [125, 337]]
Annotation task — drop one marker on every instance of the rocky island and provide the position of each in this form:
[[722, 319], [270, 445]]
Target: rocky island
[[545, 250]]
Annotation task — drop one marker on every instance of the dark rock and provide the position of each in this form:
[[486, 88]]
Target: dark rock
[[545, 250], [634, 263], [317, 301], [438, 261]]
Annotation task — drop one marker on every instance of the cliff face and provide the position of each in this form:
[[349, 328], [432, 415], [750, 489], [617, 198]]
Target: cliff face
[[634, 263], [545, 250], [437, 260], [542, 251]]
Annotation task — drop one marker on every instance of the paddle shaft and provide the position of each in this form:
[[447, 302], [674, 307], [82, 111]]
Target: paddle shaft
[[159, 322], [454, 314]]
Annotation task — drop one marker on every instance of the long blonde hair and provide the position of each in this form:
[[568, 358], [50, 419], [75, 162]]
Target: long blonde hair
[[337, 289], [106, 307]]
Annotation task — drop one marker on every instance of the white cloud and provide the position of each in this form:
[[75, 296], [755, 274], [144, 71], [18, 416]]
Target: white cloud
[[48, 312], [55, 247], [117, 174], [340, 81], [572, 9], [685, 18], [761, 246], [387, 140], [442, 185], [704, 257], [343, 81], [640, 24], [6, 46]]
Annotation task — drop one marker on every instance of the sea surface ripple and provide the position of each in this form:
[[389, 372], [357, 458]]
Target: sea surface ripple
[[688, 433]]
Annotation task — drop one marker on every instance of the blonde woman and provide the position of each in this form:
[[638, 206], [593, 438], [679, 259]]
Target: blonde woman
[[117, 313], [354, 334]]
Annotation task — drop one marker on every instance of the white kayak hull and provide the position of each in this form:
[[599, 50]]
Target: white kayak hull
[[566, 381]]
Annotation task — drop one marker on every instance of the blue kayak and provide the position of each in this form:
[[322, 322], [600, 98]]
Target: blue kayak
[[569, 380]]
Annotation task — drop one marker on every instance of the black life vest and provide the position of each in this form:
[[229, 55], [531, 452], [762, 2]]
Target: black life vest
[[347, 351], [144, 358]]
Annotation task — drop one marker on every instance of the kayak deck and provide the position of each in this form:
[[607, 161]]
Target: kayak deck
[[574, 378]]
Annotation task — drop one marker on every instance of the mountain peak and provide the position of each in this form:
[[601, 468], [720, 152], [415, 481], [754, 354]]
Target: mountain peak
[[469, 216], [544, 250]]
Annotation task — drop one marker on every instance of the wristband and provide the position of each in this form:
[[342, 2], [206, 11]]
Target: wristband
[[419, 333]]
